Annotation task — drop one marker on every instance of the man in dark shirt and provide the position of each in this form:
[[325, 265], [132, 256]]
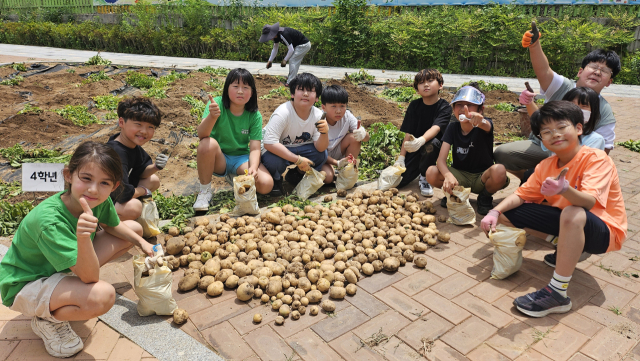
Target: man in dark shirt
[[424, 124], [138, 120], [297, 46], [471, 142]]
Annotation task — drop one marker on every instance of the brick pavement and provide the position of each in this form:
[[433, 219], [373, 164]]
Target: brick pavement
[[453, 302]]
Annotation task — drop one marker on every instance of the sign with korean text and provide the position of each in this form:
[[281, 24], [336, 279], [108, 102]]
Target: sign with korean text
[[42, 177]]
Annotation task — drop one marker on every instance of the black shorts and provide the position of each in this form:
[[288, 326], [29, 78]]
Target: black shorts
[[546, 219]]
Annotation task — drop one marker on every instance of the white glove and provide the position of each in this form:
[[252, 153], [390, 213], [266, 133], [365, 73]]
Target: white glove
[[400, 162], [161, 160], [359, 134], [343, 163], [414, 145]]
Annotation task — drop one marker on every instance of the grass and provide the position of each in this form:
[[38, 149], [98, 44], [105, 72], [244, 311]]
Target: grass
[[359, 76], [486, 86], [220, 71], [30, 109], [617, 273], [96, 77], [633, 145], [401, 94], [97, 60], [505, 107], [16, 155], [78, 114], [197, 106], [107, 102], [540, 335], [281, 91], [13, 81]]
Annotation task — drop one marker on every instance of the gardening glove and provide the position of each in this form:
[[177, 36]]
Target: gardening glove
[[283, 64], [551, 186], [400, 162], [526, 97], [304, 164], [359, 134], [530, 36], [415, 144], [490, 221], [268, 64], [161, 161], [322, 126]]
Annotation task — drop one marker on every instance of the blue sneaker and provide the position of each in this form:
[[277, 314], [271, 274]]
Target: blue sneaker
[[542, 303]]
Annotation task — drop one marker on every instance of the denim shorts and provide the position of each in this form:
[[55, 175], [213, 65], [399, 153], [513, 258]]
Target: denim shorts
[[233, 162]]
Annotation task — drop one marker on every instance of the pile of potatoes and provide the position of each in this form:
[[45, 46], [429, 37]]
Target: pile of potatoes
[[291, 257]]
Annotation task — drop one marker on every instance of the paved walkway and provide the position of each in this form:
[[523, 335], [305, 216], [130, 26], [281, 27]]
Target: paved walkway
[[20, 53]]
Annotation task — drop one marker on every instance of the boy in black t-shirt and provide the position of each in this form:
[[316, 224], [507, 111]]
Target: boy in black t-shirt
[[138, 120], [297, 47], [424, 124], [471, 140]]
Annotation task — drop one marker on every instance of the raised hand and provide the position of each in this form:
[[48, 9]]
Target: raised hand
[[530, 36], [214, 109], [87, 223]]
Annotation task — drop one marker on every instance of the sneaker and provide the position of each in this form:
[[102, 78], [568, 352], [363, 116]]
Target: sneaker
[[485, 203], [293, 177], [550, 259], [202, 202], [278, 190], [425, 188], [443, 202], [59, 339], [542, 303]]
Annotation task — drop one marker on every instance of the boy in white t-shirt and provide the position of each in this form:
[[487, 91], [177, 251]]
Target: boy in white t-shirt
[[345, 133], [295, 134]]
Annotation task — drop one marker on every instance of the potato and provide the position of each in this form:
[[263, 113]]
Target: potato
[[175, 245], [205, 281], [287, 299], [173, 231], [419, 247], [342, 193], [420, 261], [328, 306], [368, 269], [314, 296], [273, 218], [302, 310], [275, 305], [274, 287], [337, 293], [323, 285], [188, 283], [279, 320], [350, 276], [223, 275], [205, 256], [391, 264], [264, 298], [442, 218], [245, 292], [314, 310], [257, 318], [180, 316], [192, 271], [304, 283], [304, 301], [328, 199], [351, 289], [257, 292], [284, 311], [232, 281], [444, 237]]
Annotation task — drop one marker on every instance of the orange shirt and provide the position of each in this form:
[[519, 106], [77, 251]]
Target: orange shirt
[[593, 172]]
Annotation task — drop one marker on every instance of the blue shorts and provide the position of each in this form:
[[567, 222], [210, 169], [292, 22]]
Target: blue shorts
[[233, 162]]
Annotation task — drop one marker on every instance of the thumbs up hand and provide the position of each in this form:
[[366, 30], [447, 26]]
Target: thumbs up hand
[[214, 109], [551, 186], [530, 36], [87, 223]]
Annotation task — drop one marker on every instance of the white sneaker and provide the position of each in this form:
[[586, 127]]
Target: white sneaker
[[202, 202], [425, 188], [59, 339]]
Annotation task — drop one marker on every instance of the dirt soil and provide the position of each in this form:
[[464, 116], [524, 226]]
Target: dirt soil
[[53, 88]]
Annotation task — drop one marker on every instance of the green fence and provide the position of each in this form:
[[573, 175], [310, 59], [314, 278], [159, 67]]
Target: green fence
[[69, 6]]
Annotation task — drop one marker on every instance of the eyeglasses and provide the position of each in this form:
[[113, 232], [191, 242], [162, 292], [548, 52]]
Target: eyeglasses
[[603, 69], [549, 133]]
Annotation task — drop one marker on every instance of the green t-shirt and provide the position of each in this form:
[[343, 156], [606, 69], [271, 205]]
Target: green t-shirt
[[234, 133], [45, 243]]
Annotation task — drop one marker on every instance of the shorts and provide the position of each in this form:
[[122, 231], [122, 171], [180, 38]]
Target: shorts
[[472, 180], [546, 219], [233, 163], [336, 153], [33, 299]]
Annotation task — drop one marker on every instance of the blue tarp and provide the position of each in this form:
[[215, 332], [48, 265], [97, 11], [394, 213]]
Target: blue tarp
[[305, 3]]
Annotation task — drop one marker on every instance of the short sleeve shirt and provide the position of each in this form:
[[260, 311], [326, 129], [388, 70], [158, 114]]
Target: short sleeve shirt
[[590, 171], [45, 243], [421, 117], [472, 152], [134, 162], [287, 128], [347, 124], [233, 133], [290, 36]]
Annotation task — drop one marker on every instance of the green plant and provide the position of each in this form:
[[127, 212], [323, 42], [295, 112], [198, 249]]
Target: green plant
[[11, 215], [505, 107], [220, 71], [95, 77], [360, 76], [214, 83], [30, 109], [401, 94], [486, 86], [111, 116], [107, 102], [405, 79], [222, 202], [176, 208], [197, 106], [138, 80], [13, 81], [381, 149], [158, 93], [633, 145], [615, 310], [97, 60], [71, 71], [539, 101], [19, 66], [294, 200], [190, 129], [281, 91], [16, 155], [8, 190], [78, 114]]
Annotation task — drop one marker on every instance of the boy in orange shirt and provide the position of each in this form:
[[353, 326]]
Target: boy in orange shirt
[[585, 207]]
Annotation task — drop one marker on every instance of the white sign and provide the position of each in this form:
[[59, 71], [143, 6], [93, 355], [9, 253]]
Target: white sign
[[42, 177]]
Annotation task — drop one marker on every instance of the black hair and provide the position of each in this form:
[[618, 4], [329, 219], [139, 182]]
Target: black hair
[[236, 75], [556, 111], [609, 57], [586, 96], [103, 155], [306, 81], [427, 75], [334, 94], [140, 109]]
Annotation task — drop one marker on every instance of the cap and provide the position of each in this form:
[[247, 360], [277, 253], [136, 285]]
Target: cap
[[469, 94]]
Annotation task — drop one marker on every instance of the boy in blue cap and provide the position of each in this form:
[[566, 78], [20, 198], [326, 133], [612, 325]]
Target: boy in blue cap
[[471, 140]]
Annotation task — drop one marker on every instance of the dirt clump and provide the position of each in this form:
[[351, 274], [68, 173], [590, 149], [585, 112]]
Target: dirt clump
[[46, 128]]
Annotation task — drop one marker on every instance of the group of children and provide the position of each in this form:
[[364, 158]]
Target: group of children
[[51, 271]]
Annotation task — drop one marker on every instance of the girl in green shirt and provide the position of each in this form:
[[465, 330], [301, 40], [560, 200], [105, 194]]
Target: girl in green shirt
[[59, 237]]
